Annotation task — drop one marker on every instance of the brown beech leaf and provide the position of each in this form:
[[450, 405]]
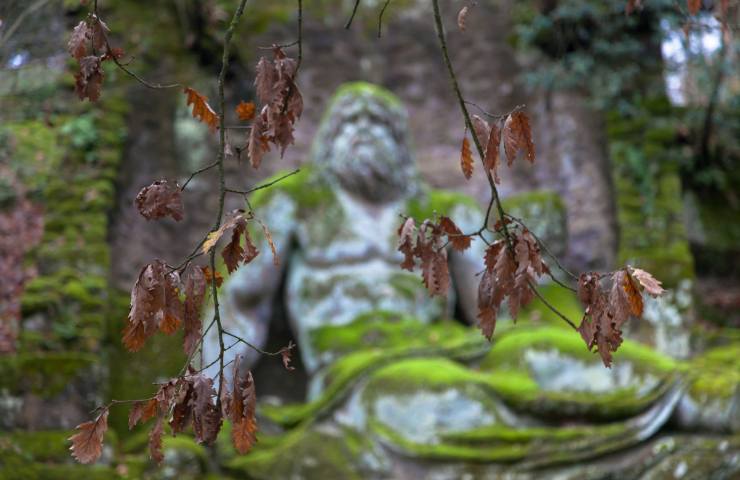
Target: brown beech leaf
[[634, 297], [406, 243], [649, 283], [268, 237], [174, 309], [182, 411], [258, 140], [89, 80], [99, 33], [459, 241], [466, 158], [487, 321], [433, 259], [491, 160], [285, 352], [481, 128], [78, 41], [206, 417], [87, 443], [462, 17], [195, 290], [160, 199], [250, 250], [135, 414], [155, 441], [148, 299], [233, 253], [211, 277], [245, 110], [213, 237], [517, 136], [694, 6], [242, 411], [264, 81], [201, 110]]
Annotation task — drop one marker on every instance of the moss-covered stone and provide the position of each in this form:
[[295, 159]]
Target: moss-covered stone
[[42, 373]]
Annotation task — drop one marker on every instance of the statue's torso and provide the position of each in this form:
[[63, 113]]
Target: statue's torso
[[346, 267]]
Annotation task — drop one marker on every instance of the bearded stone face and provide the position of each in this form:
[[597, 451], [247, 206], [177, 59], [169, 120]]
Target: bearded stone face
[[362, 145]]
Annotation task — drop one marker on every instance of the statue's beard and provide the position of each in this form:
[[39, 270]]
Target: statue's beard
[[378, 173]]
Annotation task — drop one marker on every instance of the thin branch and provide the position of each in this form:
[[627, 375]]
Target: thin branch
[[380, 17], [264, 185], [221, 180], [197, 172], [494, 115], [469, 124], [352, 17], [252, 346]]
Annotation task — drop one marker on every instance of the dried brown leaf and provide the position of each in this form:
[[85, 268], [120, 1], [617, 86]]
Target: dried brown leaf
[[462, 17], [89, 80], [268, 237], [155, 441], [459, 241], [201, 110], [466, 158], [195, 289], [78, 41], [649, 283], [160, 199], [245, 110], [517, 135], [87, 443], [491, 160], [406, 243]]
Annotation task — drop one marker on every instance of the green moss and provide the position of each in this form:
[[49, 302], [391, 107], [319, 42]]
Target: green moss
[[508, 348], [438, 201], [304, 188], [716, 373], [44, 374]]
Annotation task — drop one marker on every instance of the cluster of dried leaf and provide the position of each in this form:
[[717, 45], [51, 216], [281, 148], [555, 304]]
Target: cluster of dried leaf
[[166, 298], [182, 402], [88, 45], [513, 263], [282, 106], [510, 135], [607, 312], [426, 245]]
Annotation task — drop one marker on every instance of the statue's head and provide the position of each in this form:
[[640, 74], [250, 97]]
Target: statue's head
[[363, 146]]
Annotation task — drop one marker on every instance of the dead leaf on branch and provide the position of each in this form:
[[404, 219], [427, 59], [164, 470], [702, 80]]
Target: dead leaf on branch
[[466, 158], [491, 160], [89, 80], [201, 110], [78, 41], [213, 237], [160, 199], [480, 127], [517, 136], [649, 283], [462, 17], [282, 106], [242, 410], [271, 243], [87, 443], [508, 274], [245, 110], [606, 313], [155, 305], [455, 236], [195, 290], [155, 440]]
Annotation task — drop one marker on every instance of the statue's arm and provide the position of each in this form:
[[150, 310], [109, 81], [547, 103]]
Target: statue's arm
[[249, 294]]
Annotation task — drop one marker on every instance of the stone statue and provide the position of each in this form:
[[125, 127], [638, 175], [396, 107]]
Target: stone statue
[[397, 389]]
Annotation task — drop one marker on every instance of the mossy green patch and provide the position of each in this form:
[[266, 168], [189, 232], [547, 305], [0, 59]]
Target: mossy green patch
[[42, 373], [716, 373], [440, 202]]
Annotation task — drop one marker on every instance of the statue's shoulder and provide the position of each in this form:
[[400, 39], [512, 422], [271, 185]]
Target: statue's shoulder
[[304, 188], [443, 202]]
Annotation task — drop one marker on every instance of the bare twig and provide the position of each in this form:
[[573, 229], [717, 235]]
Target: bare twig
[[197, 172], [352, 16], [264, 185], [380, 16]]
